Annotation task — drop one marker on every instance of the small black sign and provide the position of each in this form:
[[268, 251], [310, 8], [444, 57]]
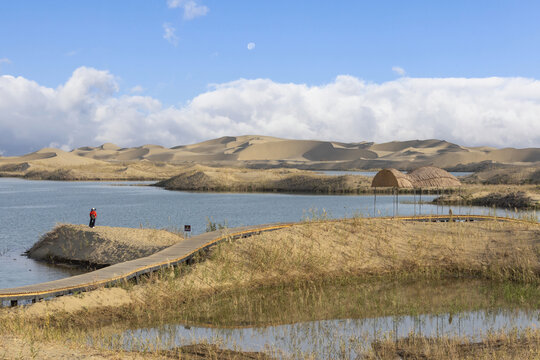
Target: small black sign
[[187, 228]]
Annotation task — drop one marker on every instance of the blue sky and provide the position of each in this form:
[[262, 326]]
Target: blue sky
[[307, 43]]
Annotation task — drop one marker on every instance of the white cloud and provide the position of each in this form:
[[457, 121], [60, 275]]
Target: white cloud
[[192, 8], [169, 34], [136, 89], [251, 46], [399, 70], [86, 110], [72, 53]]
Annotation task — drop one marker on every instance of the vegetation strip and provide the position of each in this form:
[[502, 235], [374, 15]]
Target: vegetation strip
[[34, 292]]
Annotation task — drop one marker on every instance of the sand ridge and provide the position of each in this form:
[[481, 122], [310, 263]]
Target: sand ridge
[[155, 162], [264, 148]]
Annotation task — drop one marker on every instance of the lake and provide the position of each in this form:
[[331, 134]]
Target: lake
[[28, 209]]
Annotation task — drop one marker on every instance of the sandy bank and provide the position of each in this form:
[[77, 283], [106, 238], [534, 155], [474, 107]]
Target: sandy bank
[[101, 245], [17, 348]]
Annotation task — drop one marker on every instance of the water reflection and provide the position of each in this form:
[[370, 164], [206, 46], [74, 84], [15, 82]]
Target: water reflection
[[342, 317], [326, 337]]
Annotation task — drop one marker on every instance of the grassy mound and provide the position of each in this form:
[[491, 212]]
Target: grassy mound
[[99, 246], [200, 178], [514, 175]]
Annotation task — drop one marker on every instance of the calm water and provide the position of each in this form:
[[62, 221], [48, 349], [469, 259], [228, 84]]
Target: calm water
[[323, 338], [28, 209]]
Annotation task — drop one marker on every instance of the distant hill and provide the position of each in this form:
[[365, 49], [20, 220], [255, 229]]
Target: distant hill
[[109, 161], [265, 151]]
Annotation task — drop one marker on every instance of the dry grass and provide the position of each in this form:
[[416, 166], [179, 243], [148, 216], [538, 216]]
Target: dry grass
[[504, 196], [129, 170], [200, 178], [501, 345], [368, 248], [307, 253], [372, 247], [507, 174]]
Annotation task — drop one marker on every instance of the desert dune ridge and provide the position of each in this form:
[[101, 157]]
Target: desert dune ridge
[[264, 148], [152, 162]]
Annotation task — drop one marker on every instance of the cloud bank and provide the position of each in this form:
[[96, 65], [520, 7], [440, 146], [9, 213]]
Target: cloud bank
[[86, 110]]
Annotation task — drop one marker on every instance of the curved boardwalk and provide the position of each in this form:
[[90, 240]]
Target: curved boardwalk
[[170, 256]]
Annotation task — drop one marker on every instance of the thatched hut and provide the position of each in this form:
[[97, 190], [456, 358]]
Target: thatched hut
[[392, 178], [424, 177], [432, 177]]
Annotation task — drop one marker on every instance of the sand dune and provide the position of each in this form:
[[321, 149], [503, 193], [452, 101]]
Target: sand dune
[[263, 148], [56, 157], [109, 161]]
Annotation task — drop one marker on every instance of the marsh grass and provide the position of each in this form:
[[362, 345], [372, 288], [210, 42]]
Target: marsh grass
[[352, 298], [211, 225], [513, 344], [370, 255]]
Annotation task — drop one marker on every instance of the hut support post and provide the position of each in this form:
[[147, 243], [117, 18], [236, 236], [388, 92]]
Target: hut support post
[[420, 203], [414, 201], [393, 204], [397, 202], [374, 201], [459, 201], [437, 203]]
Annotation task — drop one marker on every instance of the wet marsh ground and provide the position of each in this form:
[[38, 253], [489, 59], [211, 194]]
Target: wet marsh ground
[[321, 270]]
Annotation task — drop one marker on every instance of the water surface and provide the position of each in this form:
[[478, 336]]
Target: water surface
[[28, 209]]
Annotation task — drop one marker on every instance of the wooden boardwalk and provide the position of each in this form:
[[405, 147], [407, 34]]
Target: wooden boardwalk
[[171, 256], [111, 275]]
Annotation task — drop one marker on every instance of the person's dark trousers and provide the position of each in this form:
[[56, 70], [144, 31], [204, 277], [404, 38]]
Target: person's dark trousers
[[92, 222]]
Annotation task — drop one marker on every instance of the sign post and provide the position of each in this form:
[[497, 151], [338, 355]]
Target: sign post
[[187, 230]]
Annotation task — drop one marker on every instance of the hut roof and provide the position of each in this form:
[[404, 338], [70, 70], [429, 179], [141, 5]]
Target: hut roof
[[429, 176], [391, 178], [424, 177]]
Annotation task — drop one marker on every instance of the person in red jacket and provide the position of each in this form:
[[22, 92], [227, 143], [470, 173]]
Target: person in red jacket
[[93, 216]]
